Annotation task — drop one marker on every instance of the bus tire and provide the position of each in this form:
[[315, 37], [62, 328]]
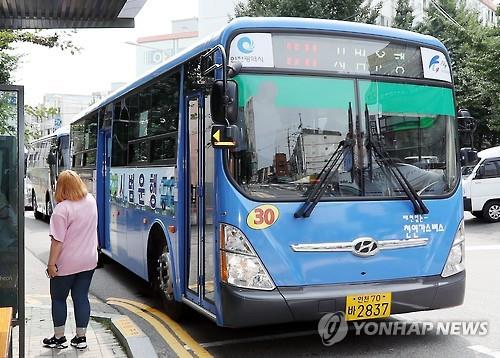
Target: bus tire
[[48, 209], [38, 215], [164, 285], [491, 211]]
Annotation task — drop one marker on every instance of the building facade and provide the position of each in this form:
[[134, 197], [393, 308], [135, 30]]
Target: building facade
[[67, 105], [151, 51], [312, 151], [62, 108]]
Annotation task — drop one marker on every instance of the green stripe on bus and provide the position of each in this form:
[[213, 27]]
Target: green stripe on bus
[[318, 92], [406, 98], [291, 91]]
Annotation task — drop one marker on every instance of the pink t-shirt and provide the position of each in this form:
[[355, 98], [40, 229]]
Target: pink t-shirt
[[74, 223]]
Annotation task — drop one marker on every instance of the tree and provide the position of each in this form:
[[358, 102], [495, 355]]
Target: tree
[[474, 50], [323, 9], [8, 38], [8, 114], [404, 15], [40, 114], [9, 63]]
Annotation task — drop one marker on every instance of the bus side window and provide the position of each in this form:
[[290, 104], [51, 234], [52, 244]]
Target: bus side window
[[38, 155], [36, 150], [165, 105], [121, 117], [60, 152], [164, 149], [43, 155]]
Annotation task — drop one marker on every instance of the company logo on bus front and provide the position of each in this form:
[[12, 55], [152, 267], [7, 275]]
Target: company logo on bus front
[[437, 64], [246, 45], [365, 246]]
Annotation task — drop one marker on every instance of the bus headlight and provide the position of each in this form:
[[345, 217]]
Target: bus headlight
[[456, 258], [240, 266]]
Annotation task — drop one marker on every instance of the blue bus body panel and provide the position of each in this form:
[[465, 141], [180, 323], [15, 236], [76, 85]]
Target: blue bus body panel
[[137, 240], [344, 221], [130, 227]]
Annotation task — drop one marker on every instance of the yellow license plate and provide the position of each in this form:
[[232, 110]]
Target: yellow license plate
[[368, 306]]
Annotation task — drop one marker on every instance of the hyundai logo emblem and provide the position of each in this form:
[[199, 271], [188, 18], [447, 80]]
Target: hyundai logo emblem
[[364, 247]]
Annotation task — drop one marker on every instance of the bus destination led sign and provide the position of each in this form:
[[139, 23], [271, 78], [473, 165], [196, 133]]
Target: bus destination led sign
[[347, 55]]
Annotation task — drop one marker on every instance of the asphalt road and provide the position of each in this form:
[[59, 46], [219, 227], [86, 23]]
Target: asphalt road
[[481, 304]]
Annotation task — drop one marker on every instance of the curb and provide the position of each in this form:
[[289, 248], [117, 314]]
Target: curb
[[133, 339]]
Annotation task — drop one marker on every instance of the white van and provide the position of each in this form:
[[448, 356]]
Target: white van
[[482, 187]]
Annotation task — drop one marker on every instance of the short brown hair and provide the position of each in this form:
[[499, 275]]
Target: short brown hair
[[70, 187]]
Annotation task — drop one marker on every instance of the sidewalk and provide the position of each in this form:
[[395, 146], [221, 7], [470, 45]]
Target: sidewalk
[[100, 339]]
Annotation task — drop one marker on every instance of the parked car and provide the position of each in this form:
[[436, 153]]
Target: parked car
[[481, 188]]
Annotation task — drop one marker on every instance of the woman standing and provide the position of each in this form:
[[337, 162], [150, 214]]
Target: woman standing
[[73, 257]]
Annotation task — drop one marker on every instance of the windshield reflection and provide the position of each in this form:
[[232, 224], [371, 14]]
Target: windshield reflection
[[291, 126]]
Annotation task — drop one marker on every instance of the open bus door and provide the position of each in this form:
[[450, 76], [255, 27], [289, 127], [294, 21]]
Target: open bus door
[[103, 180], [200, 222]]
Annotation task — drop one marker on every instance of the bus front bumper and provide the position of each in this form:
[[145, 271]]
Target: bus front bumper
[[244, 307]]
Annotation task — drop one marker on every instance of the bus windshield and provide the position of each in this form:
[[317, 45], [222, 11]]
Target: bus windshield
[[291, 126]]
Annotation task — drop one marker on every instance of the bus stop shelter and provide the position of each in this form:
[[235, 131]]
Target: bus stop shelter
[[48, 14], [35, 14]]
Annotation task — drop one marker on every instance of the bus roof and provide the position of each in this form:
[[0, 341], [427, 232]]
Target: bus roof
[[57, 133], [263, 24], [344, 27]]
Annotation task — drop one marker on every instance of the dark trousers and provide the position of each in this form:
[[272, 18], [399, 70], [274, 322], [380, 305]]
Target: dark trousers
[[78, 284]]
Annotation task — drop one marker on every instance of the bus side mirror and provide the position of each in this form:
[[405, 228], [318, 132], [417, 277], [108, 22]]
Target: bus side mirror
[[224, 106], [234, 69]]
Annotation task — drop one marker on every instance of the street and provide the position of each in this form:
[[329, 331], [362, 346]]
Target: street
[[481, 304]]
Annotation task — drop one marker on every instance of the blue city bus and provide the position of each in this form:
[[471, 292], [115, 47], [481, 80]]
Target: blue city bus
[[283, 169]]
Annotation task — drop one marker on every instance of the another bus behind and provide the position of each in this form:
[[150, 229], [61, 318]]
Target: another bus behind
[[47, 157]]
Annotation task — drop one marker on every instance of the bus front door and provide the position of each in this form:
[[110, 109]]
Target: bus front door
[[200, 239], [103, 185]]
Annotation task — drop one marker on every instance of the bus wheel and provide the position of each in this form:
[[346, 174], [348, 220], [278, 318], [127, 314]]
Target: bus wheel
[[38, 215], [491, 211], [48, 209], [165, 286]]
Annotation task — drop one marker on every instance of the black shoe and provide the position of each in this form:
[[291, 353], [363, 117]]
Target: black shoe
[[79, 342], [58, 343]]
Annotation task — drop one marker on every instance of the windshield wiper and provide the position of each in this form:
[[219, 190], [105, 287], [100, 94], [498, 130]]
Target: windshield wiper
[[319, 188], [418, 204], [315, 193]]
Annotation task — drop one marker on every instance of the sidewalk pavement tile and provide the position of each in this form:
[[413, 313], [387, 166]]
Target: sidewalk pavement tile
[[100, 339]]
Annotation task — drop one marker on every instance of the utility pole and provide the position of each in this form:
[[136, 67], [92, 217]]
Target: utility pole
[[288, 140]]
